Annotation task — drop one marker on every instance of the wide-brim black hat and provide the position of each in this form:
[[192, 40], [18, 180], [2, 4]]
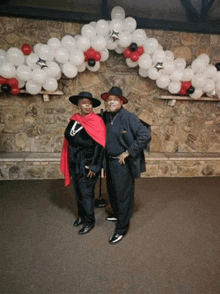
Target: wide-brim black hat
[[75, 98], [116, 91]]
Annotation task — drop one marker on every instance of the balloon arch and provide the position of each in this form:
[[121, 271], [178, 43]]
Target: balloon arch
[[41, 67]]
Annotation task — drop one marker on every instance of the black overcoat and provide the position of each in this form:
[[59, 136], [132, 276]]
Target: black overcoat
[[134, 137]]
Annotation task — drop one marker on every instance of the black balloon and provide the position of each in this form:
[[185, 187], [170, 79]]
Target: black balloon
[[191, 90], [217, 65], [133, 47], [91, 62], [5, 88]]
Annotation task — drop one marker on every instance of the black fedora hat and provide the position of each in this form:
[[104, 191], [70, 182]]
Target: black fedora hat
[[75, 98], [116, 91]]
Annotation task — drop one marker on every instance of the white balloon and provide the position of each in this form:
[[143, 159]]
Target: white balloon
[[54, 43], [45, 52], [93, 24], [81, 67], [188, 74], [179, 63], [50, 84], [153, 73], [199, 80], [15, 56], [139, 37], [37, 47], [216, 78], [169, 56], [210, 71], [204, 57], [70, 70], [163, 81], [102, 27], [116, 25], [23, 72], [130, 24], [145, 61], [125, 39], [31, 61], [198, 65], [111, 45], [61, 55], [76, 37], [196, 94], [119, 50], [176, 75], [158, 56], [52, 70], [118, 13], [58, 76], [168, 67], [7, 70], [143, 72], [105, 55], [83, 43], [209, 86], [99, 43], [217, 86], [21, 83], [77, 57], [39, 76], [94, 68], [131, 63], [174, 87], [150, 45], [88, 31], [68, 42], [32, 88], [2, 56]]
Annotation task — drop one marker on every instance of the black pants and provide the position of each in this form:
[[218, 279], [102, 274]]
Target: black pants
[[120, 185], [84, 188]]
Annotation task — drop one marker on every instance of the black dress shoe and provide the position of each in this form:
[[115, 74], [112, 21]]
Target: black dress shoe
[[86, 229], [78, 222], [115, 238]]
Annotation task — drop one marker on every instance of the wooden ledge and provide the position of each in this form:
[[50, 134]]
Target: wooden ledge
[[172, 99], [46, 94]]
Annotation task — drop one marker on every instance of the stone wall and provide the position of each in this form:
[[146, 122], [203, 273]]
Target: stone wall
[[30, 125]]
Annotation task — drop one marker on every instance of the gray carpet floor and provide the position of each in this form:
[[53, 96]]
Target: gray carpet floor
[[172, 247]]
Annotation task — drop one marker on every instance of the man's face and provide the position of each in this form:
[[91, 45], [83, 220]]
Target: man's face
[[114, 103]]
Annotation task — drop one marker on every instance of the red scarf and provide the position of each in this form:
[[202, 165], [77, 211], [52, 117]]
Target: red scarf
[[95, 127]]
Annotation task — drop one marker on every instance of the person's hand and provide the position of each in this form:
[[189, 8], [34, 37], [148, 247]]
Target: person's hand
[[90, 174], [123, 156]]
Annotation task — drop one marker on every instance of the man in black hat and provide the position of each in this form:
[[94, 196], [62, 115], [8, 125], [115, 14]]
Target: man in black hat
[[126, 138], [82, 154]]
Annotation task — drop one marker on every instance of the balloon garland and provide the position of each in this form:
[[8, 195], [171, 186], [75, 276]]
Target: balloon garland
[[41, 67]]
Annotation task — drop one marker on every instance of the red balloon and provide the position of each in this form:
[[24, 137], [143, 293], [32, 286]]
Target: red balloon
[[3, 80], [127, 53], [15, 91], [91, 53], [134, 56], [186, 85], [97, 56], [140, 50], [13, 82], [26, 49], [182, 92]]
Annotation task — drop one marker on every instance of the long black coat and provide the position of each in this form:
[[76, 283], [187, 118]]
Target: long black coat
[[134, 136]]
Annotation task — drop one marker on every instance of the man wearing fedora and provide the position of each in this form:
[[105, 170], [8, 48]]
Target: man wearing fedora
[[126, 138], [82, 155]]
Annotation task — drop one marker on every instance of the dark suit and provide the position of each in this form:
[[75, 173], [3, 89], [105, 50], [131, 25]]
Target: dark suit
[[124, 132]]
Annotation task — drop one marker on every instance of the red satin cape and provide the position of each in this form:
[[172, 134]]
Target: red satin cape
[[95, 127]]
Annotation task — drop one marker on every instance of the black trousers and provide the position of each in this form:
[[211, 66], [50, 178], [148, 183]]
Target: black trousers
[[85, 196], [120, 185]]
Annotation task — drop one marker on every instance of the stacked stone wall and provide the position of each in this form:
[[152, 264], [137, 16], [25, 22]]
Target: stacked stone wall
[[30, 125]]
